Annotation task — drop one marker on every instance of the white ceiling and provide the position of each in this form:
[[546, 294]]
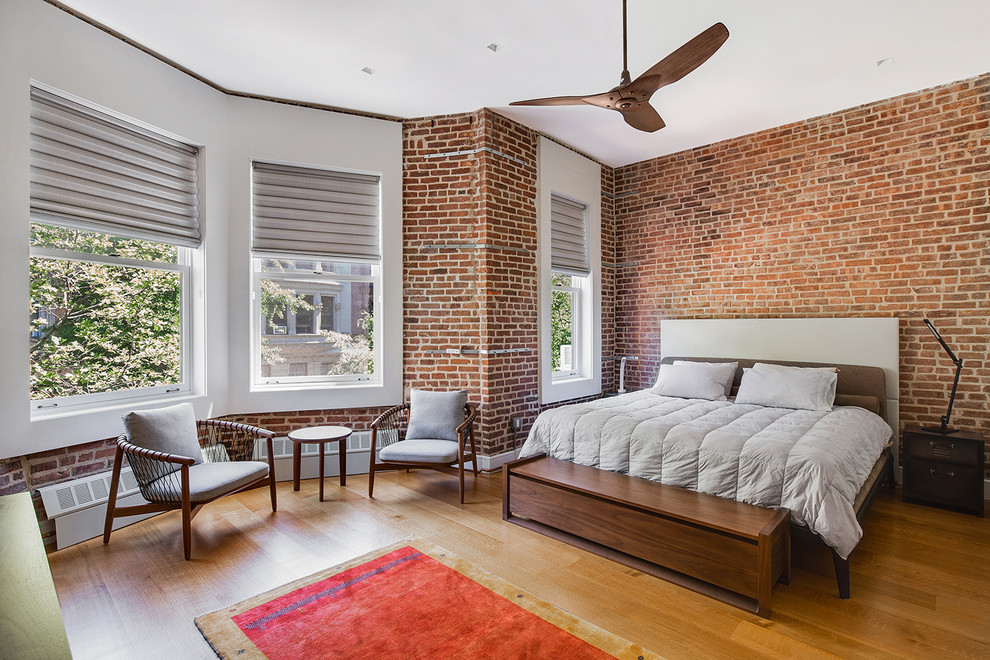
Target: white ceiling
[[785, 60]]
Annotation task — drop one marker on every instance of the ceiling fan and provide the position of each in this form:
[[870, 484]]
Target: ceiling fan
[[632, 98]]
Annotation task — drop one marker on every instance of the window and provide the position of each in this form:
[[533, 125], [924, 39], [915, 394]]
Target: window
[[569, 242], [114, 218], [565, 309], [306, 334], [569, 271], [107, 316], [317, 270]]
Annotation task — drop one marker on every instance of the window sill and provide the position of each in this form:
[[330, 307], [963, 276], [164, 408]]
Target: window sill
[[114, 406], [325, 385], [570, 387]]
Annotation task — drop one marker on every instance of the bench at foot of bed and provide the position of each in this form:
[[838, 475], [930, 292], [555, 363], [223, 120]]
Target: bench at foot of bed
[[728, 550]]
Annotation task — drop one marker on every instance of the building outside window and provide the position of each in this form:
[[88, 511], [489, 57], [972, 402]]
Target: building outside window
[[316, 323], [317, 263]]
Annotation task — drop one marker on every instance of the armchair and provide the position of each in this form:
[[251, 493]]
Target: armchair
[[439, 444], [183, 463]]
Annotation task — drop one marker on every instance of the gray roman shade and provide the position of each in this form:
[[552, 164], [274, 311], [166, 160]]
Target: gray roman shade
[[569, 237], [93, 171], [310, 212]]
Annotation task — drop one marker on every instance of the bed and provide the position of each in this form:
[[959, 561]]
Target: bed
[[823, 466]]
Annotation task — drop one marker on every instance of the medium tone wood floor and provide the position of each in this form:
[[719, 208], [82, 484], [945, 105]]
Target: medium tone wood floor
[[920, 578]]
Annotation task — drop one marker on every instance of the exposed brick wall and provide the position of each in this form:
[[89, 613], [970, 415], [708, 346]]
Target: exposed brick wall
[[480, 291], [610, 367], [443, 227], [880, 210], [509, 281]]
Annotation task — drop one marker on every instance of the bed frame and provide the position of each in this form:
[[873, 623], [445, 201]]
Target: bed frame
[[857, 385]]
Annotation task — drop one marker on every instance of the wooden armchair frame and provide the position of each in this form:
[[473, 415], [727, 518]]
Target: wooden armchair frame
[[149, 466], [390, 427]]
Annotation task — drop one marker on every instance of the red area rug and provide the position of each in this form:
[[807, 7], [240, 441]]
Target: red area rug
[[409, 600]]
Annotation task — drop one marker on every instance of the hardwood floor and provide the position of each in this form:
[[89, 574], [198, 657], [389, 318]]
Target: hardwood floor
[[920, 586]]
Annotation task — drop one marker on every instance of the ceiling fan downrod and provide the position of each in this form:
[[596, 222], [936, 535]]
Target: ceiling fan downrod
[[624, 78]]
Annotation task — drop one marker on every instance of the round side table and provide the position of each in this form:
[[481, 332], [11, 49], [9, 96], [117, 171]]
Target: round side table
[[320, 435]]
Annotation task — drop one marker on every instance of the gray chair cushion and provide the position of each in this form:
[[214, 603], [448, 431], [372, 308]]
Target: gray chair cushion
[[435, 415], [171, 430], [420, 451], [208, 481]]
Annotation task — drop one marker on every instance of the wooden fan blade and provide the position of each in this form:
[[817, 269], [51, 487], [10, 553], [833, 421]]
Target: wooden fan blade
[[678, 64], [554, 100], [645, 118]]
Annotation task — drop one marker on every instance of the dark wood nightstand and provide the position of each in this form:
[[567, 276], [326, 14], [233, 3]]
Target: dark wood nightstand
[[944, 469]]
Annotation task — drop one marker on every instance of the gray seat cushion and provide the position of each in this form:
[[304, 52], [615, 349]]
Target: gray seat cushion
[[171, 430], [421, 450], [208, 481], [435, 415]]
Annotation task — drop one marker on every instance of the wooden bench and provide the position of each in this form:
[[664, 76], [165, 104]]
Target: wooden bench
[[728, 550]]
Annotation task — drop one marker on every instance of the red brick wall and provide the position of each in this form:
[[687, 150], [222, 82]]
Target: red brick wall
[[443, 227], [479, 292], [880, 210]]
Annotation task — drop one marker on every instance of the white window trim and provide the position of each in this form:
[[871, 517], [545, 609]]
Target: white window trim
[[261, 383], [567, 173], [99, 401], [580, 301]]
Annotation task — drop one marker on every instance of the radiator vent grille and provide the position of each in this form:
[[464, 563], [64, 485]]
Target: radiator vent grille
[[359, 441], [65, 498]]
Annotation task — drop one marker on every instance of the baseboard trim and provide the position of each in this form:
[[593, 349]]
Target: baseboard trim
[[495, 463]]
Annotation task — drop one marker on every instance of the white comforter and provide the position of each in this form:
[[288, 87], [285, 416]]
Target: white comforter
[[811, 462]]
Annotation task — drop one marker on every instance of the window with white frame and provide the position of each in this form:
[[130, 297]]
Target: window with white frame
[[569, 271], [317, 287], [569, 259], [114, 222]]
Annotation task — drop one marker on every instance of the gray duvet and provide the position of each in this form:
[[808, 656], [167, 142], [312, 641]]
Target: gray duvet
[[811, 462]]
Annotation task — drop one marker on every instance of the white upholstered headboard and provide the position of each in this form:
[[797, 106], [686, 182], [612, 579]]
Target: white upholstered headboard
[[868, 341]]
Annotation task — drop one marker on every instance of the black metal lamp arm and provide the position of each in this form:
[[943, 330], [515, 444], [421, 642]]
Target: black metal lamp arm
[[952, 396], [955, 382]]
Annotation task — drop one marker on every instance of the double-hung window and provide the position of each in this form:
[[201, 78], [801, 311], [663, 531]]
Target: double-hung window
[[114, 222], [569, 271], [316, 250]]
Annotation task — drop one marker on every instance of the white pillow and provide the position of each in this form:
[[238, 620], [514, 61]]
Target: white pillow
[[787, 389], [723, 372], [688, 381], [826, 373]]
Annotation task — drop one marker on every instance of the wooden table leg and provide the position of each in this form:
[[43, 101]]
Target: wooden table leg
[[322, 450], [342, 457], [296, 460]]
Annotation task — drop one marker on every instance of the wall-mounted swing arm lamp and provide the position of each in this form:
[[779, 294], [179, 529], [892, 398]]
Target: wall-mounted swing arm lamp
[[944, 427]]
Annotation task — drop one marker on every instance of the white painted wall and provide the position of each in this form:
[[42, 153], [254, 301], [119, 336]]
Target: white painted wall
[[42, 43], [260, 130]]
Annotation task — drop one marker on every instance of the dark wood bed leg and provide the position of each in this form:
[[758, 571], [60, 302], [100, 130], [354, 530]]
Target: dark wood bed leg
[[841, 574]]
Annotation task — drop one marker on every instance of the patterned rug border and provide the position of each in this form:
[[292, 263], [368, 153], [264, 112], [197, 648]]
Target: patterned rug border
[[219, 629]]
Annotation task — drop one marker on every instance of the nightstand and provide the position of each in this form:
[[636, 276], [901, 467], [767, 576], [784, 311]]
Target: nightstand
[[944, 469]]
